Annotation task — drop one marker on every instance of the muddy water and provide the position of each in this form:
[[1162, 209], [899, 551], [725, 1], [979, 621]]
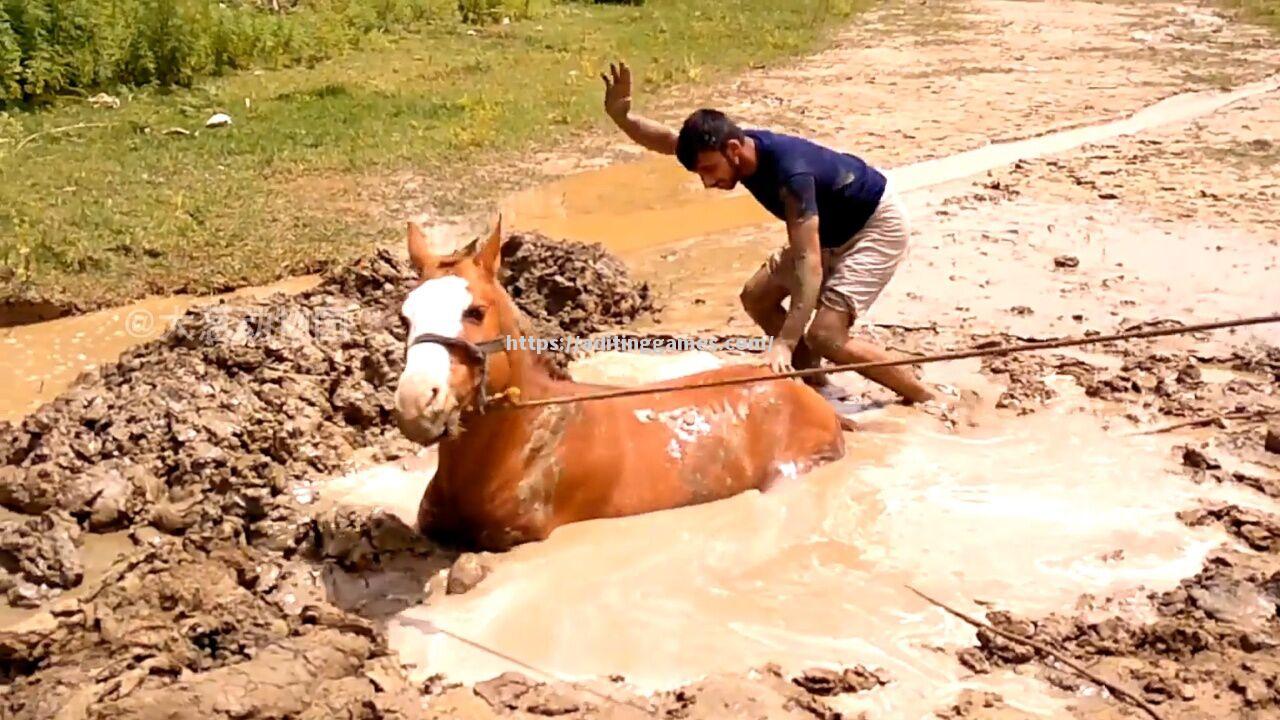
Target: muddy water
[[631, 206], [1027, 512], [40, 360], [655, 201]]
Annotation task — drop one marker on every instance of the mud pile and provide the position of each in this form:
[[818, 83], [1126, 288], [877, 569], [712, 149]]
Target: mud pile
[[1149, 379], [217, 632], [577, 287], [762, 693], [215, 429]]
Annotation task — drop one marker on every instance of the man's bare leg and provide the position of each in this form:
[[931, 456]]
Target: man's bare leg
[[762, 299], [829, 335]]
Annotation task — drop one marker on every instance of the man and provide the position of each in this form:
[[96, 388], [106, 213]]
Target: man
[[846, 228]]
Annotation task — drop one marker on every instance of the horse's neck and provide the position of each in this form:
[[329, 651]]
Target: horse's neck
[[485, 436], [529, 375]]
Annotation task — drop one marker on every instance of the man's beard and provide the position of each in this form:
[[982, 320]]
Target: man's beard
[[735, 168]]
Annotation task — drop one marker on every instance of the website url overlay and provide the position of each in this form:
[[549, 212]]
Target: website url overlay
[[639, 344]]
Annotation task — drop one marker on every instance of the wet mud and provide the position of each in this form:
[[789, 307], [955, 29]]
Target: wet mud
[[187, 629], [765, 692], [1211, 647], [1210, 652], [578, 288], [38, 556]]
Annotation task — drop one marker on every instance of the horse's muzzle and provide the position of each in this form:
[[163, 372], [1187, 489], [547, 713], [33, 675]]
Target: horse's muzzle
[[423, 432], [424, 413]]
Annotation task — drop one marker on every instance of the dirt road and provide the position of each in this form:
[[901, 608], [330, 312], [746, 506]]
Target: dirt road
[[269, 550]]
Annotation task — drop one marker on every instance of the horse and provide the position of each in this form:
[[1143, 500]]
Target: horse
[[508, 475]]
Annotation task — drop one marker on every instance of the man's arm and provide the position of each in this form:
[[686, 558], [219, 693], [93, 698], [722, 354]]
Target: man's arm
[[617, 103], [801, 212]]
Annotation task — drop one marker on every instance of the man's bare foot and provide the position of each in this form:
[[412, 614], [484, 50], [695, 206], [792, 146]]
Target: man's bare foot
[[827, 389], [943, 405]]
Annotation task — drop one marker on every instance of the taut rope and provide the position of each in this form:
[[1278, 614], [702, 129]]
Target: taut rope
[[956, 355]]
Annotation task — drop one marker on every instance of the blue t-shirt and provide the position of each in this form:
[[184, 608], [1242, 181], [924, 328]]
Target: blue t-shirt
[[840, 188]]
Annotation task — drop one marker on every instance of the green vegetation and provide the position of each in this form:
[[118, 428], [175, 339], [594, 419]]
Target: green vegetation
[[49, 47], [101, 204], [1266, 12]]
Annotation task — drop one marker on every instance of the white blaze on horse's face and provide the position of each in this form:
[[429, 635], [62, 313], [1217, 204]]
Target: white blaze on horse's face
[[435, 306]]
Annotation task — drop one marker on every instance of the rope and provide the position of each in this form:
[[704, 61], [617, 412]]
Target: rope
[[957, 355], [1122, 693], [431, 628], [1247, 416]]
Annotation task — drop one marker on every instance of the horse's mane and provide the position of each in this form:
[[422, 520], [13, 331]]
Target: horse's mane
[[547, 363]]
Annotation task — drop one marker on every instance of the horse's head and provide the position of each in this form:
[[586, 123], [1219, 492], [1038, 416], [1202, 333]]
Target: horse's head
[[457, 307]]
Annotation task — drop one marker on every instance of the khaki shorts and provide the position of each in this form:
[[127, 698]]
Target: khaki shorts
[[854, 273]]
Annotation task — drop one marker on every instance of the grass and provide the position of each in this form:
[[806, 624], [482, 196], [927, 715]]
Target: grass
[[1264, 12], [143, 199], [53, 47]]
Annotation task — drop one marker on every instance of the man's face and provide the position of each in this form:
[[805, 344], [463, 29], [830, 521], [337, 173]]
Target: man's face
[[720, 169]]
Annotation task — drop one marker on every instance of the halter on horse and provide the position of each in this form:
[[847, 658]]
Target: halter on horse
[[514, 475]]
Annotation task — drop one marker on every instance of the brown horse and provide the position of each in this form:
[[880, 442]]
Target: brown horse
[[511, 475]]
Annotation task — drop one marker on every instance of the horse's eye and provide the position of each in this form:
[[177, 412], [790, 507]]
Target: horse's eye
[[475, 314]]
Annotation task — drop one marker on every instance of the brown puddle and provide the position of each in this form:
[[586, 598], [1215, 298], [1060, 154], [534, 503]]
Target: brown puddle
[[1025, 512], [43, 359], [631, 206]]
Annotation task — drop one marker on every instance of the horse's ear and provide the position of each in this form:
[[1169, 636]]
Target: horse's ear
[[420, 255], [490, 255]]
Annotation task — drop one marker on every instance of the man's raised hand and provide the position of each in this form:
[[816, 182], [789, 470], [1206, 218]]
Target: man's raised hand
[[617, 91]]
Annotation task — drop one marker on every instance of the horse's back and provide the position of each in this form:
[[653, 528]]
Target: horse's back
[[688, 446], [727, 372]]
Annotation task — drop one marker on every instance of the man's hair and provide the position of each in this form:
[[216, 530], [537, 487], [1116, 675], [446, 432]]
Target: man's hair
[[705, 130]]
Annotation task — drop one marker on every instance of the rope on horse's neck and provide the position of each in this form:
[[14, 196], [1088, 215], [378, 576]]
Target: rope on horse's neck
[[956, 355]]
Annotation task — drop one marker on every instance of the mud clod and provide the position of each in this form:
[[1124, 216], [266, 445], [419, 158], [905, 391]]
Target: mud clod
[[1023, 376], [576, 287], [972, 704], [1196, 458], [39, 557], [359, 540], [825, 682], [466, 573], [1260, 530], [973, 659], [512, 691]]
